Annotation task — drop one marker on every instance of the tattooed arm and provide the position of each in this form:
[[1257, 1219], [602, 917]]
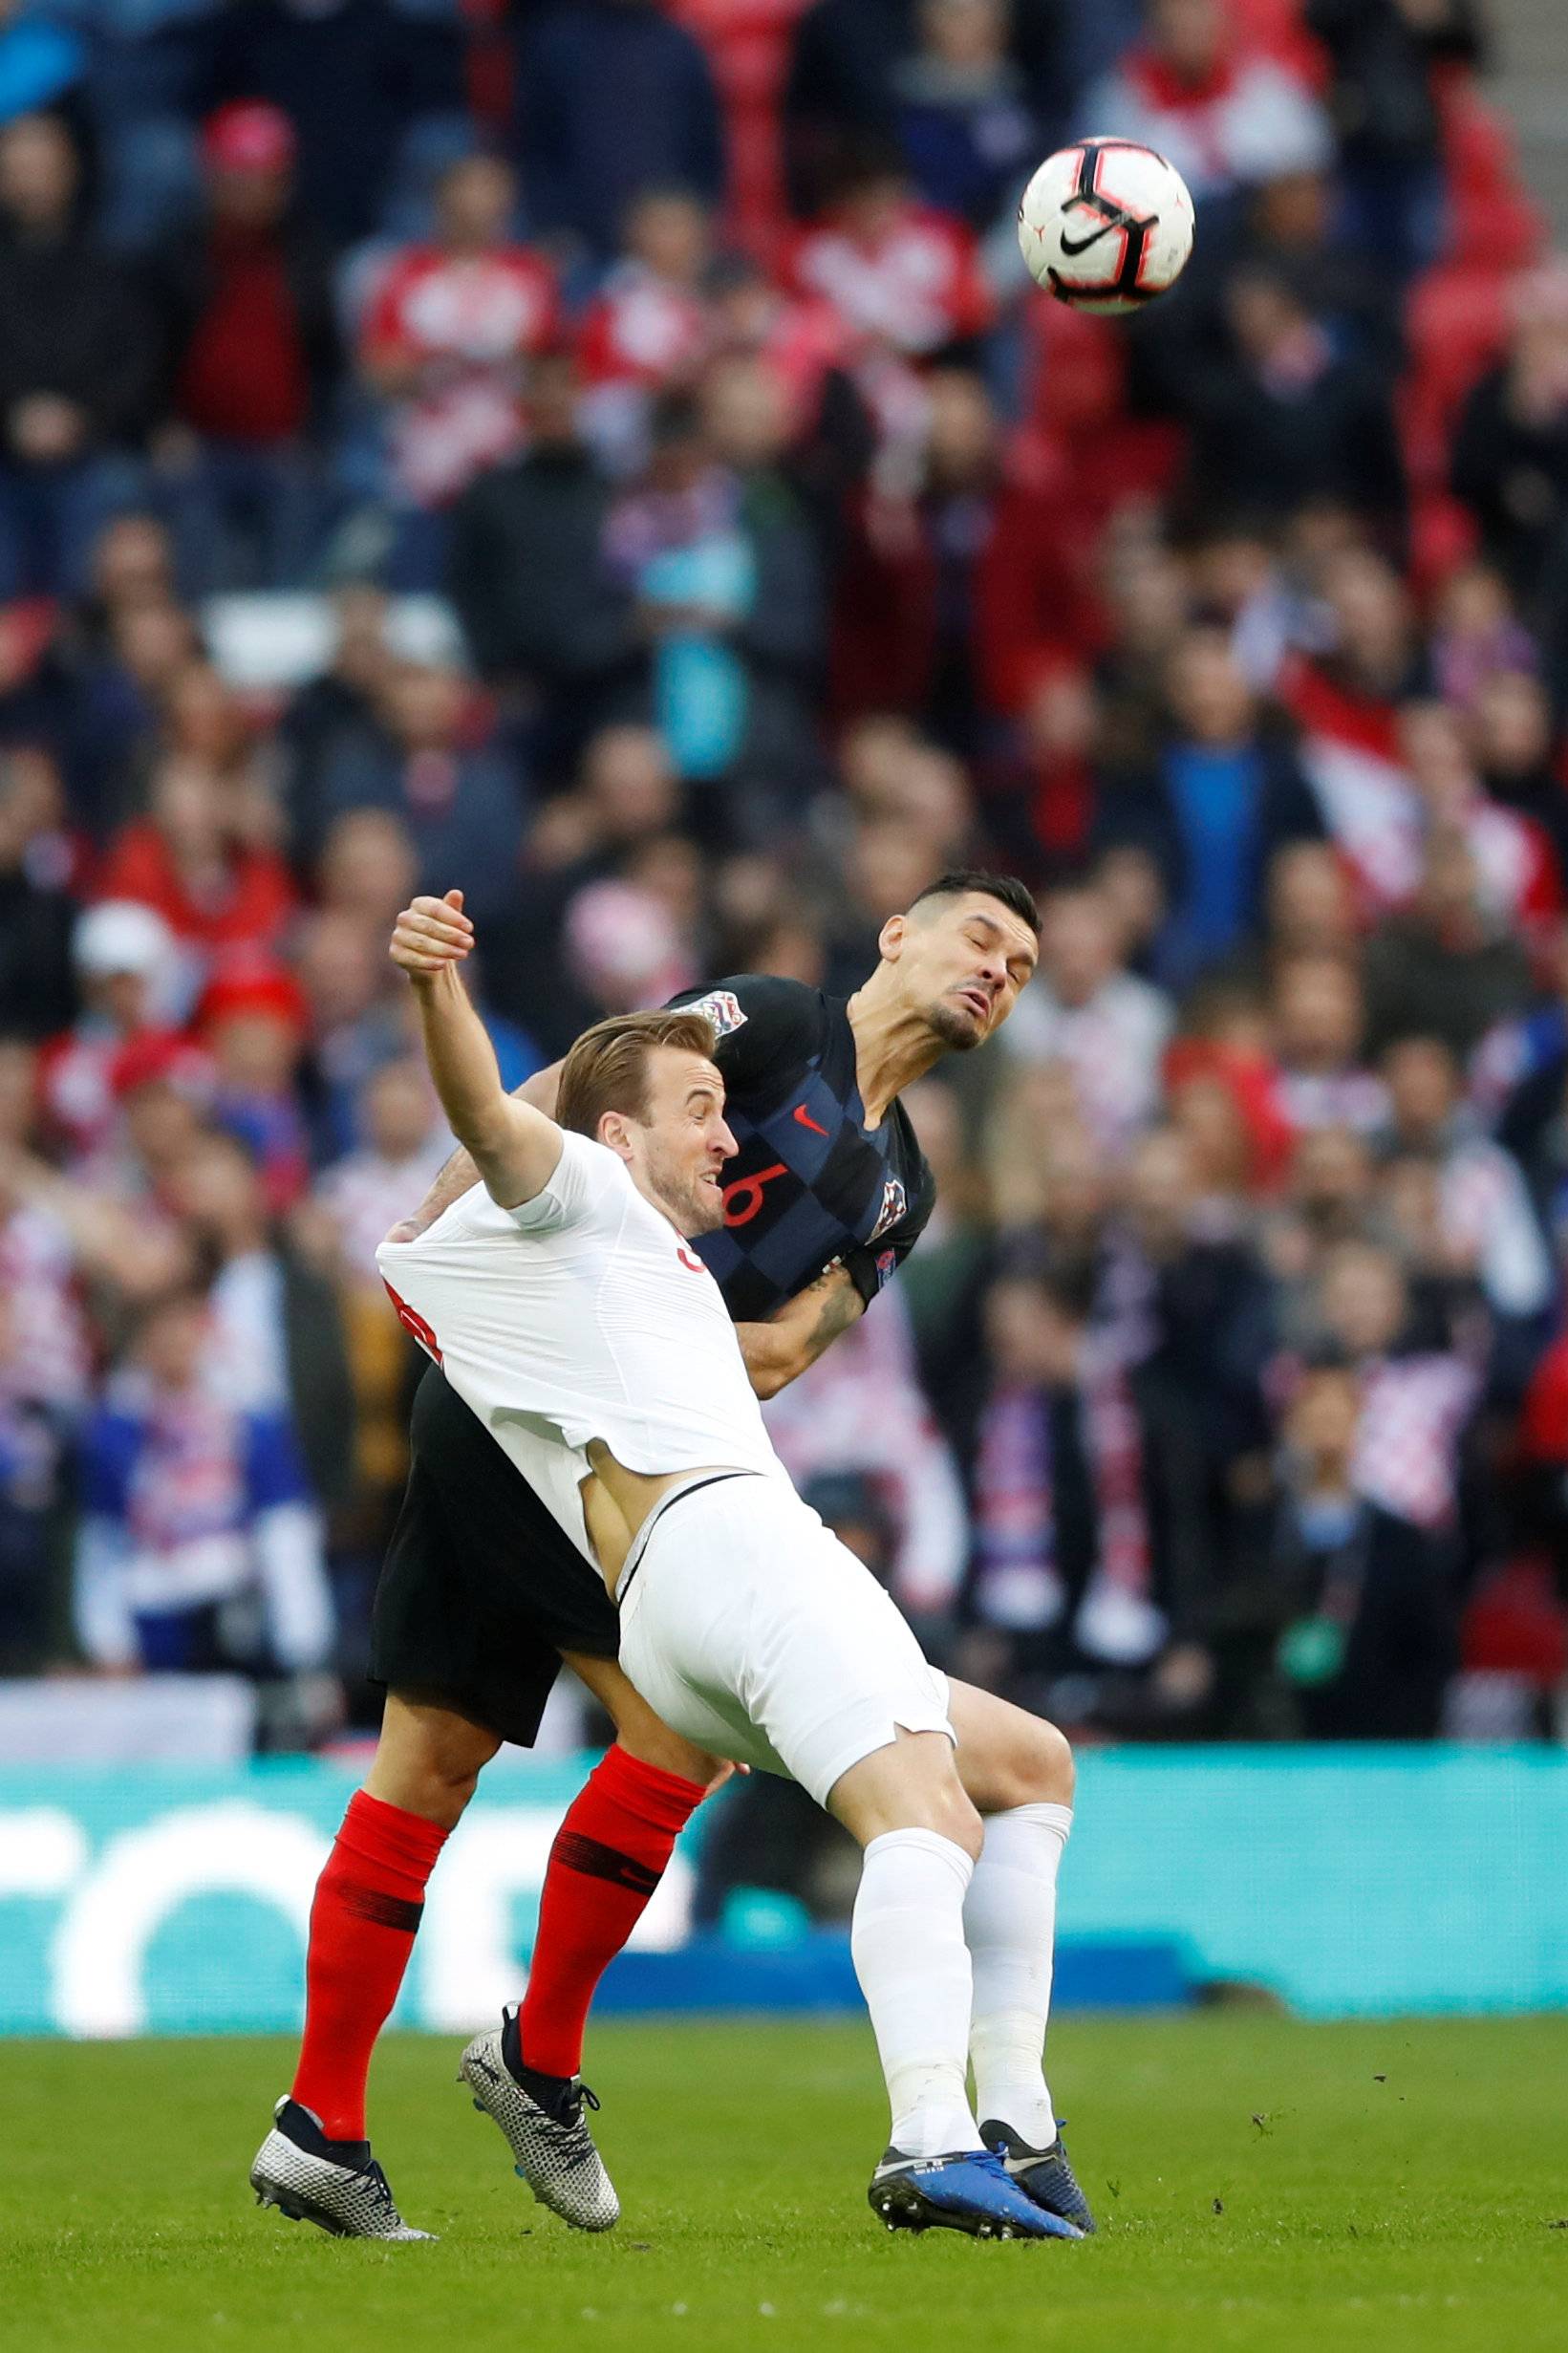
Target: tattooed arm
[[776, 1352]]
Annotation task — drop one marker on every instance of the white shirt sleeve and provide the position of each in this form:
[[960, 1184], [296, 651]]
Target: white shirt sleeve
[[587, 1181]]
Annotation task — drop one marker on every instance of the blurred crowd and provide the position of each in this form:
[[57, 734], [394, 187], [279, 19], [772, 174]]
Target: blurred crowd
[[607, 457]]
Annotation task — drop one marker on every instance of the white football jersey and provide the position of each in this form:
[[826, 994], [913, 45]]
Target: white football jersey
[[581, 1314]]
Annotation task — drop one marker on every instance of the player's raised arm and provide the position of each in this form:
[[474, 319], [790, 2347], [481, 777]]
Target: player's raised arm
[[460, 1173], [514, 1148]]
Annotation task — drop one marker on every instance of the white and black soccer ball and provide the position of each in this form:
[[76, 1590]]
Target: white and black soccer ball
[[1106, 225]]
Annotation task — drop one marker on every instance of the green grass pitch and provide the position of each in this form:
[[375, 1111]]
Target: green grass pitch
[[1261, 2184]]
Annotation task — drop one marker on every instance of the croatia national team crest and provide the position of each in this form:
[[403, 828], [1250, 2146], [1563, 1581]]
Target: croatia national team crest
[[894, 1202], [722, 1008]]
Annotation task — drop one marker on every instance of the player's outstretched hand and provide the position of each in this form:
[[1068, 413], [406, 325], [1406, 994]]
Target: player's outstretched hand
[[431, 934]]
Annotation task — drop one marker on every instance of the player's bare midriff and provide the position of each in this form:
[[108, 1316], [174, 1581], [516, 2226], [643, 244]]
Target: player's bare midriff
[[617, 1502]]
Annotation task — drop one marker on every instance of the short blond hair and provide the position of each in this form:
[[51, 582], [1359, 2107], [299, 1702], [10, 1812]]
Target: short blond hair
[[607, 1069]]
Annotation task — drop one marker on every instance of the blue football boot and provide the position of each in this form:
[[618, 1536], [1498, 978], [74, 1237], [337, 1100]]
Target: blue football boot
[[1043, 2173], [968, 2191]]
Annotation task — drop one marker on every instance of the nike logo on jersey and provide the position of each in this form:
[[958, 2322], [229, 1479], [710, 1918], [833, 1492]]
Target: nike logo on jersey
[[804, 1119]]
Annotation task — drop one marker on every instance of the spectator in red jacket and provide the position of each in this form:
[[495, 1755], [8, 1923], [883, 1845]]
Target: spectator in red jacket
[[245, 306], [956, 599], [192, 859]]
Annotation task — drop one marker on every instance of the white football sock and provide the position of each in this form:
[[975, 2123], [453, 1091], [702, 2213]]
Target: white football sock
[[908, 1941], [1009, 1924]]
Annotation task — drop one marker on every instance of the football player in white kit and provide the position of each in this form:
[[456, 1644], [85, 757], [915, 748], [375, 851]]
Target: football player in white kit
[[565, 1308]]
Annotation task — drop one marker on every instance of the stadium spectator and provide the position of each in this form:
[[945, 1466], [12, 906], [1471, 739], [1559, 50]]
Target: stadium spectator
[[1329, 1197], [723, 573], [404, 1142], [614, 99], [127, 971], [79, 361], [337, 705], [1066, 1573], [403, 66], [354, 1025], [953, 596], [1486, 1221], [1478, 636], [847, 67], [1085, 1010], [1384, 103], [427, 764], [1285, 418], [1191, 90], [902, 278], [198, 1548], [1223, 798], [243, 300], [1199, 1313], [1319, 1021], [652, 325], [1511, 450], [195, 860], [545, 621], [964, 118], [367, 866], [1363, 1598], [1418, 1394], [1509, 729], [448, 332], [37, 912], [1448, 964], [250, 1018], [274, 1333], [1513, 855]]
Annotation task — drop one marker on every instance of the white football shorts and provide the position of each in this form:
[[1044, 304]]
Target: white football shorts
[[754, 1633]]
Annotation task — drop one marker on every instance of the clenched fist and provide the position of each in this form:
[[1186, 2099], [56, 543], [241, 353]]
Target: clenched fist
[[431, 935]]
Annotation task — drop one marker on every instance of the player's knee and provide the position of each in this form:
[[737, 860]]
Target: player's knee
[[429, 1762], [961, 1823], [1038, 1768], [942, 1804]]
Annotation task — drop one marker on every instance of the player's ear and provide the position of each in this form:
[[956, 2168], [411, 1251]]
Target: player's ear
[[890, 939], [612, 1131]]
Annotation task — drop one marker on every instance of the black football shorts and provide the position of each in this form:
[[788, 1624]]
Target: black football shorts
[[480, 1590]]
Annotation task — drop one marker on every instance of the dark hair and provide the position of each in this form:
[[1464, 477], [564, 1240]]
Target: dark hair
[[1326, 1357], [960, 881], [673, 419], [607, 1069]]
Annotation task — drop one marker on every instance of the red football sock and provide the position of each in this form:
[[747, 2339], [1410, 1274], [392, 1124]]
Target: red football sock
[[608, 1858], [367, 1908]]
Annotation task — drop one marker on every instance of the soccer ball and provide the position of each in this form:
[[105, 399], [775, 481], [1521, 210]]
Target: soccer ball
[[1106, 225]]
